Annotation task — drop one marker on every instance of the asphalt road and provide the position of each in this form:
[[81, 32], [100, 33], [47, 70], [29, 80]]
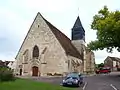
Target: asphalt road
[[103, 82], [97, 82]]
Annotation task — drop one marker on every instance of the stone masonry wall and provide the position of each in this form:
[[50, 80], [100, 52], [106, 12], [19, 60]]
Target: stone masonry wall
[[54, 56]]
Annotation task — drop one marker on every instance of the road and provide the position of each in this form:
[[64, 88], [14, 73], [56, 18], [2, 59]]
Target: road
[[97, 82], [103, 82]]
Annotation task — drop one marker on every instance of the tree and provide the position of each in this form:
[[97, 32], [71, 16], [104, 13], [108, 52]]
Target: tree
[[107, 25], [100, 65]]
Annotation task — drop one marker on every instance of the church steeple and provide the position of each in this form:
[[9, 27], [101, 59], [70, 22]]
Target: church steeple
[[78, 32]]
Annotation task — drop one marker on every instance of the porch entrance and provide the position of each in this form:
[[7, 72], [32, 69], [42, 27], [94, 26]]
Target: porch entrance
[[34, 71]]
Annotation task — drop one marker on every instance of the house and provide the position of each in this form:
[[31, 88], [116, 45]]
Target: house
[[47, 51], [5, 63], [10, 65], [1, 63], [113, 62]]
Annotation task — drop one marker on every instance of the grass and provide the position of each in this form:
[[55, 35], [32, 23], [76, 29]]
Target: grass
[[24, 84]]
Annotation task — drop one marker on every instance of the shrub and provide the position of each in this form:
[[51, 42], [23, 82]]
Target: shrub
[[6, 74], [49, 74], [57, 74]]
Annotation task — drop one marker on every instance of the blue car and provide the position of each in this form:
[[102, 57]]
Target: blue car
[[73, 79]]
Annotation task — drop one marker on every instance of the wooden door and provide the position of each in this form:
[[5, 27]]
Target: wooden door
[[34, 71]]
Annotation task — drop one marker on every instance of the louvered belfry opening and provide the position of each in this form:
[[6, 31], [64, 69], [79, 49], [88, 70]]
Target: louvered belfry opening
[[35, 52]]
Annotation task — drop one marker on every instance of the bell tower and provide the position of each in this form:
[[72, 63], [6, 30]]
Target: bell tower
[[78, 32], [78, 40], [78, 35]]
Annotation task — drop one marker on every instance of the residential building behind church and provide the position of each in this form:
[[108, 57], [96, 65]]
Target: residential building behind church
[[46, 50], [112, 62]]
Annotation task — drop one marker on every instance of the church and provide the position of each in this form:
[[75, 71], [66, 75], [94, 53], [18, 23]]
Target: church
[[47, 51]]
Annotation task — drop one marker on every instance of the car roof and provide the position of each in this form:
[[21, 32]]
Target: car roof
[[73, 75]]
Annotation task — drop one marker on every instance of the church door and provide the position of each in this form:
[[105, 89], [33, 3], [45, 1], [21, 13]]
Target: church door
[[34, 71], [20, 72]]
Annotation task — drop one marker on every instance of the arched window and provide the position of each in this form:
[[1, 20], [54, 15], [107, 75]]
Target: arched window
[[26, 55], [35, 52]]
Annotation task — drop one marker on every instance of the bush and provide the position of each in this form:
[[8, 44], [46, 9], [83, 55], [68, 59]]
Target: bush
[[49, 74], [57, 74], [6, 74]]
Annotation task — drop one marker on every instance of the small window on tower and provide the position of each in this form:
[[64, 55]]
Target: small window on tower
[[38, 26]]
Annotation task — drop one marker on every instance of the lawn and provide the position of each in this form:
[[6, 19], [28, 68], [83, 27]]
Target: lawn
[[24, 84]]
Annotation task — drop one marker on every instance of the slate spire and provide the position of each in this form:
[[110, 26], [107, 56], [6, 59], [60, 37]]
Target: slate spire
[[78, 32]]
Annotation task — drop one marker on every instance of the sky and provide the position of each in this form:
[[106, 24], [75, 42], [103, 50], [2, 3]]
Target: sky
[[16, 17]]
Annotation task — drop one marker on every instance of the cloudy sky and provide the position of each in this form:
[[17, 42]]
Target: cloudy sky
[[16, 16]]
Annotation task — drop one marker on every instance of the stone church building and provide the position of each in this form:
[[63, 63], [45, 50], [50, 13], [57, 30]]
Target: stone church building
[[47, 51]]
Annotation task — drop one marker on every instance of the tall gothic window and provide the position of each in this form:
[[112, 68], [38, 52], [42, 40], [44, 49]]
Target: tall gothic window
[[68, 64], [35, 52], [26, 55]]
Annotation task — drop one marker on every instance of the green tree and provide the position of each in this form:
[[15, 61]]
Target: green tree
[[107, 25], [100, 65]]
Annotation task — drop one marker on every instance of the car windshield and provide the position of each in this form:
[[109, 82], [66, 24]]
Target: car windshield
[[73, 75], [105, 68]]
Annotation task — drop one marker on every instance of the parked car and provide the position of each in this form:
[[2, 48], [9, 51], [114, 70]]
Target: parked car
[[97, 71], [103, 70], [73, 79]]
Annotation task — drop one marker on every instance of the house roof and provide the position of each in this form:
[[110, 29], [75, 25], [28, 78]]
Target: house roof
[[7, 62], [114, 58], [64, 41], [2, 64]]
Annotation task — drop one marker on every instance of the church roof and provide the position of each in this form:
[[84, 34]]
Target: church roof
[[64, 41], [78, 32], [114, 58], [62, 38], [78, 24]]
